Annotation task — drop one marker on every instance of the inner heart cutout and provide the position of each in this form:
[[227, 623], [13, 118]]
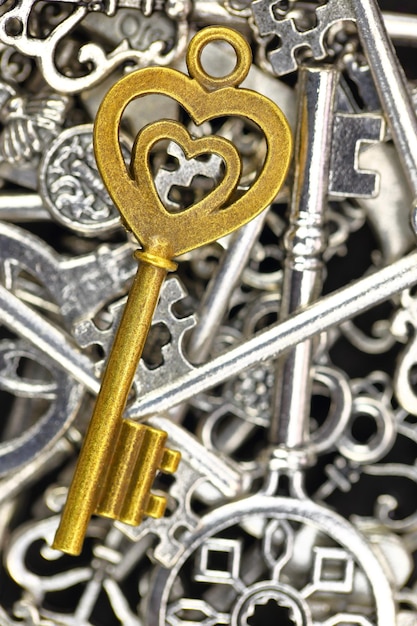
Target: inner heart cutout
[[191, 148], [181, 182]]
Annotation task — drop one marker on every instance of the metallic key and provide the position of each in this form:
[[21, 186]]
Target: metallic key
[[120, 458], [386, 70], [392, 88], [304, 242]]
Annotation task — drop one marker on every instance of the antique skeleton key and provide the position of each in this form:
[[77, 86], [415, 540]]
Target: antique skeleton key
[[120, 457]]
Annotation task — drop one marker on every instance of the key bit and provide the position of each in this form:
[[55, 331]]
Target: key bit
[[119, 458], [140, 453]]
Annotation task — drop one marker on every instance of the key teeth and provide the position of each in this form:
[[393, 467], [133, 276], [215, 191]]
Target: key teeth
[[170, 461], [138, 456], [155, 506]]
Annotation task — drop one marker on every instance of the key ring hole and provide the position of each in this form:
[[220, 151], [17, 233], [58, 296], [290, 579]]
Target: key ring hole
[[215, 34], [218, 59]]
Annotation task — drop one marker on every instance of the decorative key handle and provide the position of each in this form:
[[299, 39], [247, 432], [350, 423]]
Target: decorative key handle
[[120, 457]]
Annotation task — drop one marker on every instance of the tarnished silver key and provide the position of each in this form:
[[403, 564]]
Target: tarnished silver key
[[387, 73]]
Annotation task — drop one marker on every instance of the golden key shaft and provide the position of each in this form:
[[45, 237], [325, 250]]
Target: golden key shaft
[[120, 458], [88, 489]]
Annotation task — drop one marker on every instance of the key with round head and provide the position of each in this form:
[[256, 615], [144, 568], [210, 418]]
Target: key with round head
[[120, 457]]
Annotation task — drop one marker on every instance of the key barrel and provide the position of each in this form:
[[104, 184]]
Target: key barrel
[[120, 458]]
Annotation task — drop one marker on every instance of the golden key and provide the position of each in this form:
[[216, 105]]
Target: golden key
[[120, 457]]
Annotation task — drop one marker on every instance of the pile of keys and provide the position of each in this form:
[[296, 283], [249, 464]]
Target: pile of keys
[[208, 352]]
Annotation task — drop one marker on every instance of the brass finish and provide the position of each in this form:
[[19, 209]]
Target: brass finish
[[140, 453], [119, 458], [105, 433], [133, 191]]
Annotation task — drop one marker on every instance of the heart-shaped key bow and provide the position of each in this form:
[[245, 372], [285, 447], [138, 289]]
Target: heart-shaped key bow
[[204, 98], [120, 457]]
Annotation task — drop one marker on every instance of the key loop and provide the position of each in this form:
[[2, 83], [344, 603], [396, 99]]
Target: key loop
[[239, 45]]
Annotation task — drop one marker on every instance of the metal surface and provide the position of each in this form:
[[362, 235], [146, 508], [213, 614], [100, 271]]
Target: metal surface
[[282, 355], [329, 311], [304, 243]]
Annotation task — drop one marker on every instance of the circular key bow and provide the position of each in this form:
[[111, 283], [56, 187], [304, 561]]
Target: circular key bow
[[204, 97]]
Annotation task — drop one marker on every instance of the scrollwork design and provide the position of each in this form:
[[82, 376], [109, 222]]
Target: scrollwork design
[[15, 32], [100, 570], [368, 458]]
